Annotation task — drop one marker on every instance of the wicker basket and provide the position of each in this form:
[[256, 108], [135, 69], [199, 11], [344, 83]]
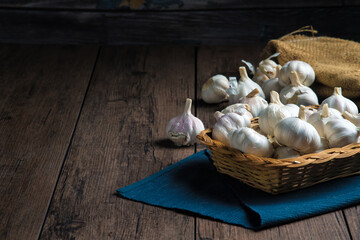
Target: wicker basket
[[282, 175]]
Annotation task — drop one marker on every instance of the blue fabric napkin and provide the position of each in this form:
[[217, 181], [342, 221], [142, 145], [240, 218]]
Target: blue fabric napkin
[[193, 184]]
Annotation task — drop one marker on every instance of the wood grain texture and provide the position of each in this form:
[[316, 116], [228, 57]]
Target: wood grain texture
[[229, 27], [352, 216], [121, 139], [41, 91], [226, 60]]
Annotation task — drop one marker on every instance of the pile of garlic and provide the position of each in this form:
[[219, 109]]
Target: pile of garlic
[[288, 125]]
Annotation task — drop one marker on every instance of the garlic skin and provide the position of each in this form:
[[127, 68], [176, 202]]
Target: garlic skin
[[256, 103], [293, 109], [246, 85], [304, 71], [320, 118], [298, 134], [272, 84], [353, 118], [297, 93], [341, 132], [182, 130], [268, 66], [285, 152], [225, 123], [249, 141], [271, 115], [239, 108], [341, 103], [309, 111], [214, 89], [232, 91], [260, 77]]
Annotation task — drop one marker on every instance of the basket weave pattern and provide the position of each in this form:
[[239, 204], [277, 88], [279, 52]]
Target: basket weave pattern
[[282, 175]]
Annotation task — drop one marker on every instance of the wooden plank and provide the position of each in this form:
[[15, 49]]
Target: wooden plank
[[229, 27], [164, 5], [120, 139], [226, 60], [41, 92], [352, 216]]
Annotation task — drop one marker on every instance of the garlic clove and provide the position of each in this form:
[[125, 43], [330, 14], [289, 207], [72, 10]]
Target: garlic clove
[[256, 103], [298, 134], [249, 141], [214, 89], [239, 108], [246, 85], [341, 103], [354, 118], [225, 123], [341, 132], [285, 152], [304, 71], [183, 129]]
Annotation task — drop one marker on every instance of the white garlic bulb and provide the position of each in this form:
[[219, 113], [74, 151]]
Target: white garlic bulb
[[297, 93], [293, 109], [246, 85], [354, 118], [341, 132], [239, 108], [285, 152], [225, 123], [260, 77], [182, 130], [256, 103], [272, 84], [298, 134], [320, 118], [271, 115], [232, 91], [304, 71], [309, 111], [341, 103], [249, 141], [268, 66], [214, 89]]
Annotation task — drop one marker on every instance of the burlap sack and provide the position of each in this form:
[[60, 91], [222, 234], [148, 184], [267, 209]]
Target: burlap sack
[[336, 62]]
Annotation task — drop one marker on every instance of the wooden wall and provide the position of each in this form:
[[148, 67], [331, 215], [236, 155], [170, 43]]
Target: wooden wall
[[194, 22]]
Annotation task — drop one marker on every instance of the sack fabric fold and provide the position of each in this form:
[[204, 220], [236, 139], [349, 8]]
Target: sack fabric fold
[[194, 185]]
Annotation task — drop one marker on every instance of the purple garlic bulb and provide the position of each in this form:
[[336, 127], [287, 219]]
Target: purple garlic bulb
[[182, 130]]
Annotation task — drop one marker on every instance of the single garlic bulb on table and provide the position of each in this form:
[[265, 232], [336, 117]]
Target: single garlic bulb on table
[[256, 103], [272, 84], [271, 115], [225, 123], [341, 103], [214, 89], [320, 118], [182, 130], [249, 141], [297, 93], [246, 85], [304, 71], [298, 134], [239, 108], [268, 66], [341, 132]]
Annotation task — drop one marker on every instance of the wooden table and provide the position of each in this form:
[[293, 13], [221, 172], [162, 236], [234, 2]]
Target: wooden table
[[79, 122]]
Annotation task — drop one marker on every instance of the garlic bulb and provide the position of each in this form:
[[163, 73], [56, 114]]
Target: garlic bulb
[[293, 109], [214, 90], [182, 130], [354, 118], [320, 118], [239, 108], [297, 93], [309, 111], [232, 91], [260, 77], [246, 85], [341, 103], [225, 123], [304, 71], [272, 84], [249, 141], [268, 66], [341, 132], [298, 134], [271, 115], [285, 152], [256, 103]]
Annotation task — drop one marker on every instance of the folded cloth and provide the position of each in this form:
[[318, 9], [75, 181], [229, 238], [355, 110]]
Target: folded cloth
[[193, 184]]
